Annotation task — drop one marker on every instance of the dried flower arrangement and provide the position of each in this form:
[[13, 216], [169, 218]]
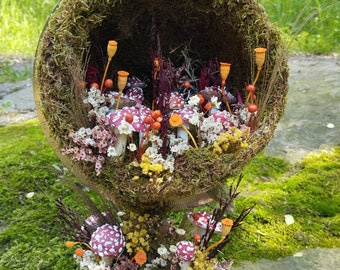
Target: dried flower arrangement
[[157, 119]]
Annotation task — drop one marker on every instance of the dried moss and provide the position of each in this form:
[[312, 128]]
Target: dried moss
[[78, 31]]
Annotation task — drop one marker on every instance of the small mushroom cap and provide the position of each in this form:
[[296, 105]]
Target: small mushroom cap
[[134, 81], [209, 92], [176, 101], [91, 223], [186, 113], [185, 250], [222, 116], [134, 89], [107, 240], [136, 94], [139, 112], [202, 220]]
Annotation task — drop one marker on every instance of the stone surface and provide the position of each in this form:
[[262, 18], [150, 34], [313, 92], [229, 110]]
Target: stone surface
[[311, 120], [309, 259]]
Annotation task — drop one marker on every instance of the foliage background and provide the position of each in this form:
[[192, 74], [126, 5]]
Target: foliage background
[[21, 22]]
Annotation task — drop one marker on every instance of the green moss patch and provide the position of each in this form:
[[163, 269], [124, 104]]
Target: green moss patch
[[30, 237]]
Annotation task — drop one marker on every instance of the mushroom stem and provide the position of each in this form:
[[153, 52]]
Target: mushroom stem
[[107, 260], [182, 133], [189, 133], [184, 265], [200, 231], [121, 144]]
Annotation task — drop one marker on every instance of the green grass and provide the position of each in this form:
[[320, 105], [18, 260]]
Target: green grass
[[319, 35], [31, 238], [8, 74], [22, 21]]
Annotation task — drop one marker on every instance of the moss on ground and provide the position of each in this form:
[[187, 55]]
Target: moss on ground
[[30, 237], [309, 191]]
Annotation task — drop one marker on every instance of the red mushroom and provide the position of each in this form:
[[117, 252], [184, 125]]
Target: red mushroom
[[139, 112], [136, 94], [185, 113], [176, 101], [201, 220], [223, 117], [123, 128], [108, 242], [185, 253], [134, 89]]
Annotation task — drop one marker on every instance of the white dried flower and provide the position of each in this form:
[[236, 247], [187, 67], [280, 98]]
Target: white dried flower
[[132, 147], [173, 248], [112, 152], [125, 128], [180, 231], [194, 101], [215, 103]]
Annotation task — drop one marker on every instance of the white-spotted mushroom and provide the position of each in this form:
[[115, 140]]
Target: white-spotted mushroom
[[185, 252], [108, 242], [201, 221]]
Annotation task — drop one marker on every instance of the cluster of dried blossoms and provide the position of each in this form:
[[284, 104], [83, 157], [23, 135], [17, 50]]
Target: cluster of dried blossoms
[[185, 113], [114, 240]]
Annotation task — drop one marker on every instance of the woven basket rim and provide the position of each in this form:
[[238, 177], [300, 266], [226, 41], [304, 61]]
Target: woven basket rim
[[61, 47]]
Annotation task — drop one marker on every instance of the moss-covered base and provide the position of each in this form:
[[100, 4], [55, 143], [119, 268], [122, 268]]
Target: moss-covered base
[[31, 238]]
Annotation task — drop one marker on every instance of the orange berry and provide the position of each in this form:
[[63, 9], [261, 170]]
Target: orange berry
[[148, 119], [207, 106], [108, 83], [156, 125], [252, 108], [201, 98], [155, 114], [140, 257], [186, 84], [129, 117], [250, 88], [81, 85], [79, 252], [197, 238], [94, 84]]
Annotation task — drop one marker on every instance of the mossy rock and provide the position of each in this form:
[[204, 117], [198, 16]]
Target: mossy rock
[[78, 30]]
